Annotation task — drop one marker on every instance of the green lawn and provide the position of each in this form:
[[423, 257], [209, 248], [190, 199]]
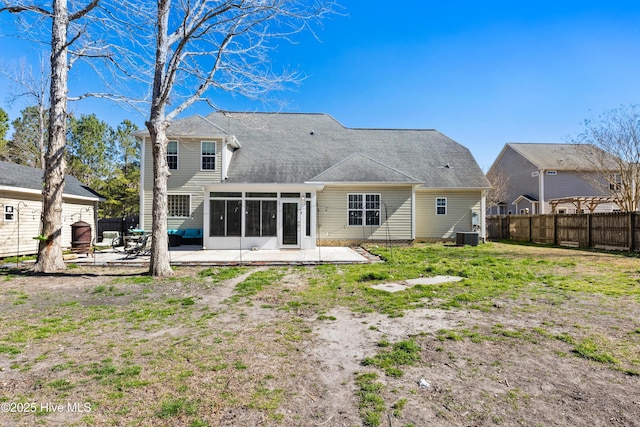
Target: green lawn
[[192, 350]]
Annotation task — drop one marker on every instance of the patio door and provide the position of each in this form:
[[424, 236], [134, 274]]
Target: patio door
[[290, 224]]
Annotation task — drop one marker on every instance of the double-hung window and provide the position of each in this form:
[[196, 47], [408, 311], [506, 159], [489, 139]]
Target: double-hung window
[[172, 154], [178, 205], [616, 183], [364, 209], [208, 155], [441, 206]]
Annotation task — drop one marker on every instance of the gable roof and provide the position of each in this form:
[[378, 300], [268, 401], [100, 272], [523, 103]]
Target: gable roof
[[306, 147], [29, 178], [556, 156], [360, 168]]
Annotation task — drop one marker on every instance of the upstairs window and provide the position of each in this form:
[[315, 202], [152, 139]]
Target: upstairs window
[[172, 154], [441, 206], [208, 155], [616, 185]]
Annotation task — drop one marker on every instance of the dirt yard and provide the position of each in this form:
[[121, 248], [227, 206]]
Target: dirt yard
[[110, 347]]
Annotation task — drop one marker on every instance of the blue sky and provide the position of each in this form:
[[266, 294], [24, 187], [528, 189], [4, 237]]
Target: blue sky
[[483, 73]]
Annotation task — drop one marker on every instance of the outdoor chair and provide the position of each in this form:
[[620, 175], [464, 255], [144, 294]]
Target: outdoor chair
[[141, 248], [113, 239], [192, 236]]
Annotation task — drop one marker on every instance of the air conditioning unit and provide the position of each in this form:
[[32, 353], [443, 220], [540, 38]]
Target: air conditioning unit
[[467, 238]]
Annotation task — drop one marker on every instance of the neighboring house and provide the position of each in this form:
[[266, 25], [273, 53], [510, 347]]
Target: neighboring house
[[288, 180], [21, 207], [547, 178]]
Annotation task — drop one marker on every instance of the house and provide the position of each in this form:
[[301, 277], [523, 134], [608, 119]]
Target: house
[[547, 178], [290, 180], [21, 205]]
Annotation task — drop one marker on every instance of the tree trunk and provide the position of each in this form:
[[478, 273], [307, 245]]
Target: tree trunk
[[50, 250], [42, 122], [159, 264]]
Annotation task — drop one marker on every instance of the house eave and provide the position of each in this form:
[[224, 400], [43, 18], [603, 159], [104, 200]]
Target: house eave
[[363, 183], [425, 188], [259, 185], [39, 193]]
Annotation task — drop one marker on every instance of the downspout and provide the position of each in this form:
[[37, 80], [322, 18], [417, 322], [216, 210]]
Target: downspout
[[541, 190], [413, 212], [483, 215], [141, 213]]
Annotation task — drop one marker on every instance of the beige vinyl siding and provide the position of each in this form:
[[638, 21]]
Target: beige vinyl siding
[[333, 220], [20, 234], [27, 228], [187, 179], [458, 218]]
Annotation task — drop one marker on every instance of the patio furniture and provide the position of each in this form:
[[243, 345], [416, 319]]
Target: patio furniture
[[192, 236], [113, 239], [175, 237], [141, 247]]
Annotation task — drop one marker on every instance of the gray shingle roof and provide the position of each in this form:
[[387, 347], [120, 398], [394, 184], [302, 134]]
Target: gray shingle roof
[[190, 127], [296, 148], [19, 176], [360, 168], [556, 156]]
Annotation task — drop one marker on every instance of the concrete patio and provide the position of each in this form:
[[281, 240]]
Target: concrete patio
[[195, 255]]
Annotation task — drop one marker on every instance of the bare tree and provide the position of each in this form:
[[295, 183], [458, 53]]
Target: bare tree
[[50, 250], [206, 45], [499, 189], [35, 87], [97, 34], [611, 145]]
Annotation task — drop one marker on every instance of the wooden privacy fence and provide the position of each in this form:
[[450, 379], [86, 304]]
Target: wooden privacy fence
[[121, 225], [618, 230]]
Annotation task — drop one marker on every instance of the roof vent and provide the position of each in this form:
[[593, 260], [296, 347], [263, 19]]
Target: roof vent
[[312, 133]]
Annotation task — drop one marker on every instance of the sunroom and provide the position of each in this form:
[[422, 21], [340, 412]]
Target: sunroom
[[259, 217]]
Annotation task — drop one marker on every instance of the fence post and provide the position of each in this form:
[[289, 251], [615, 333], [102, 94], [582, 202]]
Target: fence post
[[632, 234], [555, 229], [530, 228], [589, 239]]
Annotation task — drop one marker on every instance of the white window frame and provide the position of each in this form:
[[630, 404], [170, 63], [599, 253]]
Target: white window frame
[[552, 172], [616, 185], [177, 154], [445, 206], [188, 212], [363, 209], [214, 155], [9, 213]]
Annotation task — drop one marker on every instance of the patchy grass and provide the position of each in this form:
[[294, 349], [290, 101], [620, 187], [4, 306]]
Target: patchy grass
[[205, 348], [402, 353], [371, 402]]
